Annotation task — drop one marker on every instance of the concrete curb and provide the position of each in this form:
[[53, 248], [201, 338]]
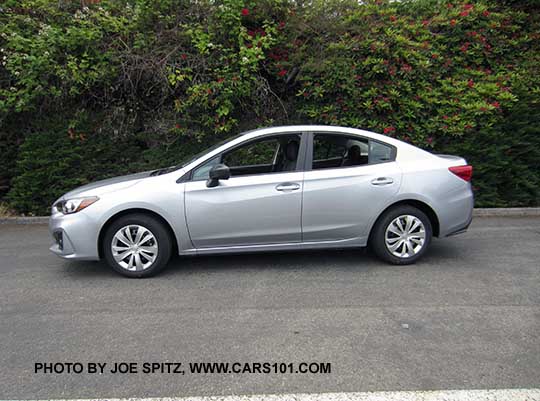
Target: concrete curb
[[24, 220], [482, 212], [510, 212]]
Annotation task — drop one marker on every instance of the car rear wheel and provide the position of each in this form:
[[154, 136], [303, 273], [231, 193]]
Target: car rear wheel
[[137, 245], [401, 235]]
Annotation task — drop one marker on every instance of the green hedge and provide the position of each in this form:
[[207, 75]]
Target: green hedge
[[91, 91]]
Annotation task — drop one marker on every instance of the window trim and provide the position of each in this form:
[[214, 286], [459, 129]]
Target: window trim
[[300, 162], [308, 160]]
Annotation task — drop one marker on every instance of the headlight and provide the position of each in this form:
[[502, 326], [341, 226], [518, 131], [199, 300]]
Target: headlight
[[75, 205]]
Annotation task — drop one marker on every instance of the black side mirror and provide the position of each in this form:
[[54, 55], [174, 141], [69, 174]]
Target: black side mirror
[[218, 172]]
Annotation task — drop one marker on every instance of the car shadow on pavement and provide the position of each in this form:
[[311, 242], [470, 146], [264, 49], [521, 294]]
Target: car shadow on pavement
[[357, 259]]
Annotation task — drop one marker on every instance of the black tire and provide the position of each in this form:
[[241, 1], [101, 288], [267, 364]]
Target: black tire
[[156, 228], [378, 242]]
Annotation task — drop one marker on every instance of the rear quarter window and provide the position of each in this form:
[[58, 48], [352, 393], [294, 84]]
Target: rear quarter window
[[380, 152]]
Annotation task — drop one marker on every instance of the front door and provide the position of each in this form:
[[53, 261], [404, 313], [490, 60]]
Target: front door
[[260, 204]]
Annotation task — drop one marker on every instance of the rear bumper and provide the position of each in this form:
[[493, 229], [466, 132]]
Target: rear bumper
[[74, 236], [456, 211], [461, 230]]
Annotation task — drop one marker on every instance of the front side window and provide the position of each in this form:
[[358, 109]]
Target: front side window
[[335, 151], [202, 172], [253, 154], [261, 156]]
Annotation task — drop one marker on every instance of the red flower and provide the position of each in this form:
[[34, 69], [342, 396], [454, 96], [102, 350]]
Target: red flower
[[434, 56], [425, 22], [177, 126], [453, 22], [470, 83], [468, 126], [282, 72], [429, 140], [387, 130], [496, 105], [245, 12], [445, 117], [209, 91], [465, 47], [393, 18], [463, 13], [486, 13], [220, 80], [281, 25], [183, 56], [468, 7]]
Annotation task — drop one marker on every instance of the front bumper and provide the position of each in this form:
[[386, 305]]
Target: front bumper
[[75, 236]]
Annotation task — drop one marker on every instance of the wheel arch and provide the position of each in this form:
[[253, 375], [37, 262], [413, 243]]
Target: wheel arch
[[424, 207], [126, 212]]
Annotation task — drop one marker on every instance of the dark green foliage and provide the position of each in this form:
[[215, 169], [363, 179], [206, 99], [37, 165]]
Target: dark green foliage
[[124, 86], [506, 158], [48, 163]]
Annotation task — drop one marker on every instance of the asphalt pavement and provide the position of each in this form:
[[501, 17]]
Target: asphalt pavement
[[467, 316]]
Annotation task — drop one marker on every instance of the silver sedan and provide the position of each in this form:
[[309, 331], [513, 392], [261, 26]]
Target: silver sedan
[[273, 189]]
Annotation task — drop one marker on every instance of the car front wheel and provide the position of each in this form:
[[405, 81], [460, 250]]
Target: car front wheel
[[401, 235], [137, 245]]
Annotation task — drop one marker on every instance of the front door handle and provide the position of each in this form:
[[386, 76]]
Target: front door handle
[[288, 186], [382, 181]]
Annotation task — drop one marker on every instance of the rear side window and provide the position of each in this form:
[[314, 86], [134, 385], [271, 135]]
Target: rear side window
[[336, 151]]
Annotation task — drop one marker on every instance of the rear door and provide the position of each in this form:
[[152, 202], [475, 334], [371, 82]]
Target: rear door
[[343, 188]]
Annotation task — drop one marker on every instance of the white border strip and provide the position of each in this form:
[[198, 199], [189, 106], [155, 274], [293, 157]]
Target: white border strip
[[439, 395]]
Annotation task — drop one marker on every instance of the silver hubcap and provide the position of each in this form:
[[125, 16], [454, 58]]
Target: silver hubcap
[[405, 236], [134, 247]]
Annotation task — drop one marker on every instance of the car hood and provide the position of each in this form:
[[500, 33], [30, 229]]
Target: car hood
[[108, 185]]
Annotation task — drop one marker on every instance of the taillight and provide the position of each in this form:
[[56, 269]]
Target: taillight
[[463, 172]]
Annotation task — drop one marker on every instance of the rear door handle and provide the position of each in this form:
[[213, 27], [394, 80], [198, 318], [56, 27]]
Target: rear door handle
[[288, 186], [382, 181]]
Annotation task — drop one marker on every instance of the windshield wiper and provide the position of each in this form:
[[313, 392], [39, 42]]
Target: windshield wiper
[[163, 170]]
